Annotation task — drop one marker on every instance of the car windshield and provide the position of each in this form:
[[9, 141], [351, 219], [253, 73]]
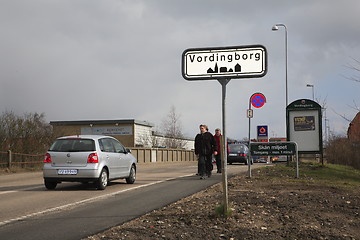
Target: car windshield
[[73, 145], [237, 147]]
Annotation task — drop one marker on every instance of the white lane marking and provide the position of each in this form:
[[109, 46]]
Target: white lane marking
[[9, 192], [20, 190], [84, 201]]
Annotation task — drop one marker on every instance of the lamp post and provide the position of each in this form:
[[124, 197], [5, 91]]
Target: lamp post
[[275, 28], [312, 86]]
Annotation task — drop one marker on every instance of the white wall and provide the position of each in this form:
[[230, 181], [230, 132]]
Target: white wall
[[143, 135], [144, 138]]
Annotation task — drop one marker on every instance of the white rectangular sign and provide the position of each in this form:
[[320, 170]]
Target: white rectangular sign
[[306, 135], [249, 113], [225, 62], [115, 130]]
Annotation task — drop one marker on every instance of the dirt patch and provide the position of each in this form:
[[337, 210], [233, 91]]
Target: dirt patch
[[262, 207]]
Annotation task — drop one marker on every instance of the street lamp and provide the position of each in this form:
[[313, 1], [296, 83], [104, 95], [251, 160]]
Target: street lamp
[[275, 28], [312, 86]]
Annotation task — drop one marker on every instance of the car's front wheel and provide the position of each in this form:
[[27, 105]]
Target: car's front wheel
[[132, 176], [102, 182]]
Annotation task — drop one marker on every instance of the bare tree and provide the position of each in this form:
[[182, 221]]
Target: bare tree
[[172, 129], [25, 134], [8, 129], [355, 66]]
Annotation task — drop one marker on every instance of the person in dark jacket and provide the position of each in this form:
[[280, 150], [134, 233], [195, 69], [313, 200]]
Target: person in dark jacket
[[205, 146]]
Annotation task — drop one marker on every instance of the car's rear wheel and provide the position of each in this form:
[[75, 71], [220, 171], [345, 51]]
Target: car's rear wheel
[[102, 182], [132, 176], [50, 184]]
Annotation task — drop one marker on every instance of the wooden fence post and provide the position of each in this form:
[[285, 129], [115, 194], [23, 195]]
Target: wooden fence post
[[9, 159]]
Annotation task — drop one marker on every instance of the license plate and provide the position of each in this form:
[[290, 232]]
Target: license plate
[[233, 154], [67, 171]]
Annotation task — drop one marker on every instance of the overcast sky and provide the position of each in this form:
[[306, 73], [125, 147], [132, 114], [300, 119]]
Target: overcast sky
[[121, 59]]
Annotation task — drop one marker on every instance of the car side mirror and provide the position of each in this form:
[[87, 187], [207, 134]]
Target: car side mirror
[[127, 150]]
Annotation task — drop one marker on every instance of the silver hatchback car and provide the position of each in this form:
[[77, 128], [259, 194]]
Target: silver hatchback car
[[88, 158]]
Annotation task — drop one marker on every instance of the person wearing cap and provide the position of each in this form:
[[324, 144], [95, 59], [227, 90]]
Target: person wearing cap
[[205, 146]]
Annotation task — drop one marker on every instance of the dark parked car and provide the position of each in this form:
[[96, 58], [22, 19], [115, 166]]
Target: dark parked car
[[238, 152]]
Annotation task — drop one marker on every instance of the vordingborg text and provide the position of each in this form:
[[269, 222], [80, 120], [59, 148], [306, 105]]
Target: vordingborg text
[[216, 57]]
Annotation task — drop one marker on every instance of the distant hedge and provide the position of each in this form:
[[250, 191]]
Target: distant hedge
[[343, 151], [26, 134]]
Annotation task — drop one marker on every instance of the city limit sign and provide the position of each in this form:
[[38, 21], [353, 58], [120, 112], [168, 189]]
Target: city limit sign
[[224, 62]]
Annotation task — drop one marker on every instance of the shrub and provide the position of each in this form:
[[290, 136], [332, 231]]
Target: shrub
[[344, 152]]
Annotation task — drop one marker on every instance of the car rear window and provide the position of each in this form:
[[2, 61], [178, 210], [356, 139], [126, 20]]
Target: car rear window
[[73, 145], [237, 147]]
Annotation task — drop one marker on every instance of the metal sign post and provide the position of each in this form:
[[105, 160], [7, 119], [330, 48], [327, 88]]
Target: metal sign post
[[257, 100], [224, 64], [250, 116], [224, 147]]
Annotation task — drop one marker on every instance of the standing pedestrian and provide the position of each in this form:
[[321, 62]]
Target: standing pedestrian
[[205, 146], [217, 137]]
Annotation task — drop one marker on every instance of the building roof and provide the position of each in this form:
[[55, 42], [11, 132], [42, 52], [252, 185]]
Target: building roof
[[101, 122]]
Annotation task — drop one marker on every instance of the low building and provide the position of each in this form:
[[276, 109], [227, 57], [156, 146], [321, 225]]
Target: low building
[[354, 129], [277, 139], [130, 132]]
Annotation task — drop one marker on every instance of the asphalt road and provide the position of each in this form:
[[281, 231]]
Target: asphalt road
[[75, 211]]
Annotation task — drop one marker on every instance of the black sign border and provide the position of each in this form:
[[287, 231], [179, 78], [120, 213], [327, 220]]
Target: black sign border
[[218, 77]]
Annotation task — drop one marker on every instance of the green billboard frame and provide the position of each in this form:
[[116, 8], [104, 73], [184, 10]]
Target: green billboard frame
[[307, 125]]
